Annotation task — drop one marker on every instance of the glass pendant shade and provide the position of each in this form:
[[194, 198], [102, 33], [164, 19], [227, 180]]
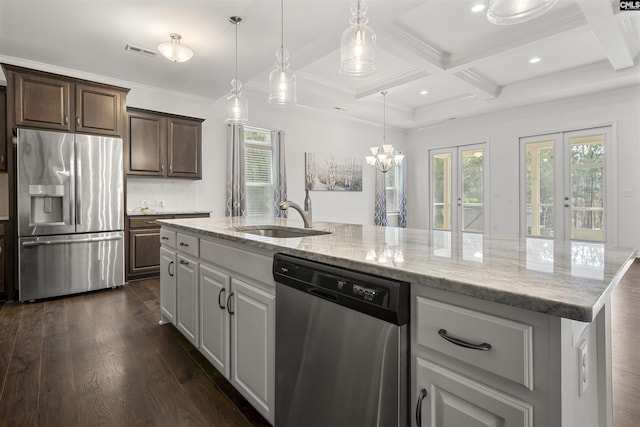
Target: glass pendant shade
[[507, 12], [174, 51], [358, 45], [282, 81], [237, 105]]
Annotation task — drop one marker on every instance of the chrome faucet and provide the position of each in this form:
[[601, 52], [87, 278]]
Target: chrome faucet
[[305, 213]]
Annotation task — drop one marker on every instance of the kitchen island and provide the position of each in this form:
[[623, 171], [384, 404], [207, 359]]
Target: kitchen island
[[543, 306]]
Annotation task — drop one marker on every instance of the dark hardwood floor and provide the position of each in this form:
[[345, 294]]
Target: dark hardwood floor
[[101, 359]]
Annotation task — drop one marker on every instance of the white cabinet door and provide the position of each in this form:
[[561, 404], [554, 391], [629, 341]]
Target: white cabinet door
[[187, 283], [453, 400], [214, 319], [167, 286], [253, 345]]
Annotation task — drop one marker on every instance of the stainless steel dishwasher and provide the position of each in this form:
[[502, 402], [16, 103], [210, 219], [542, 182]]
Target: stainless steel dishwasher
[[341, 347]]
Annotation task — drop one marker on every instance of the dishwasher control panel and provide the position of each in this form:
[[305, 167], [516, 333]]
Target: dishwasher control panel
[[362, 291]]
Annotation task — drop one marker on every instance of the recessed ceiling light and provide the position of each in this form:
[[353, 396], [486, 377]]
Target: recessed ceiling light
[[423, 92], [534, 60], [477, 8]]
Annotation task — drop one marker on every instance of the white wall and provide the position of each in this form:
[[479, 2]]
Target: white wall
[[620, 108]]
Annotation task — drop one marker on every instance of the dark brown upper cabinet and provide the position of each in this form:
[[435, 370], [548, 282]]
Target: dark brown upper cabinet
[[3, 129], [50, 101], [164, 145]]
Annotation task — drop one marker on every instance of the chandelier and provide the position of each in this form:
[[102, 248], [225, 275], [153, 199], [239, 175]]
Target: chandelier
[[384, 157]]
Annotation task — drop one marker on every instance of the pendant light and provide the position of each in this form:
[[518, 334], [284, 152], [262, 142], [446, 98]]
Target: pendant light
[[358, 44], [237, 106], [384, 157], [174, 51], [282, 81], [507, 12]]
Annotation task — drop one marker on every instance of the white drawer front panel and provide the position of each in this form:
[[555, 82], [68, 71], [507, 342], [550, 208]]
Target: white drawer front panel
[[252, 265], [168, 238], [511, 352], [187, 244]]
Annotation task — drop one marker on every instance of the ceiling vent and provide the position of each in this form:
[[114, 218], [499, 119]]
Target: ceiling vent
[[141, 50]]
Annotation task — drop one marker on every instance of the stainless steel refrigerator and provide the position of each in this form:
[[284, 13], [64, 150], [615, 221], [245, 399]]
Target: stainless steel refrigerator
[[70, 203]]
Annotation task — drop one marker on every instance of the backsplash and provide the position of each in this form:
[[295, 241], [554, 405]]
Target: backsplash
[[4, 196], [173, 195]]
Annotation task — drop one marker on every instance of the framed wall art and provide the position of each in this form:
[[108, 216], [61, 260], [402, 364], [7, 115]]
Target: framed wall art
[[328, 172]]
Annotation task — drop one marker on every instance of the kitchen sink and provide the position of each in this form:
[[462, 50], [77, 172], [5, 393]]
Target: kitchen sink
[[279, 232]]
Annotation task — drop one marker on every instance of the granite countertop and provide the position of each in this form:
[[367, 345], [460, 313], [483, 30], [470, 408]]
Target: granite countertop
[[137, 212], [572, 280]]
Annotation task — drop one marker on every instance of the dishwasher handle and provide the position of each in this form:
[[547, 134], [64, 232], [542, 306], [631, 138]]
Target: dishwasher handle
[[321, 293]]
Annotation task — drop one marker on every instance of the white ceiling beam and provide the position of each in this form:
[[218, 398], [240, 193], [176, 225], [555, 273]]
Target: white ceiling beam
[[393, 81], [610, 35], [417, 51]]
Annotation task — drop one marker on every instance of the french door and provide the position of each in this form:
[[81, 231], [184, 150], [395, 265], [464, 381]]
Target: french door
[[564, 183], [457, 197]]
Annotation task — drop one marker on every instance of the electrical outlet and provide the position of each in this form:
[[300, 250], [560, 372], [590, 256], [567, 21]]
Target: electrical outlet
[[160, 203], [144, 203], [583, 367]]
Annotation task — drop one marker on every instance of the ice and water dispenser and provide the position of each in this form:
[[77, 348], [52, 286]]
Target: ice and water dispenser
[[47, 205]]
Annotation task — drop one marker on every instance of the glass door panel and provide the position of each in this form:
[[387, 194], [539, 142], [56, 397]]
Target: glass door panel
[[441, 190], [539, 186], [472, 194], [587, 187]]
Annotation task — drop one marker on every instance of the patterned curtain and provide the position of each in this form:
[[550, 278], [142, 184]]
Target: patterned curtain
[[402, 195], [380, 206], [279, 173], [236, 203]]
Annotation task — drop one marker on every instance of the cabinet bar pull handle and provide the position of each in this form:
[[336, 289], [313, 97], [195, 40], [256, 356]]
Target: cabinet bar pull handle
[[151, 222], [78, 120], [483, 347], [169, 269], [219, 296], [164, 238], [161, 167], [229, 304], [66, 119], [421, 396], [184, 244], [183, 262]]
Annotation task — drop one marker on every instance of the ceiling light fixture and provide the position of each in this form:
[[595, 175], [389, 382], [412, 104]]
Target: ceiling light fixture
[[358, 44], [237, 106], [534, 60], [478, 7], [423, 92], [174, 51], [506, 12], [384, 157], [282, 81]]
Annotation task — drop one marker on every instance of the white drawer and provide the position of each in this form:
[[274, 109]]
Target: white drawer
[[187, 244], [167, 238], [250, 264], [511, 352]]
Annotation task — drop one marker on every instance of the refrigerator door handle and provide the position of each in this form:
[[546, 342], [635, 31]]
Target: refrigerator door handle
[[67, 241], [78, 185]]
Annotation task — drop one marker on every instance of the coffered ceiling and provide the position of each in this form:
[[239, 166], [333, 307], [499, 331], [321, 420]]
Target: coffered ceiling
[[466, 65]]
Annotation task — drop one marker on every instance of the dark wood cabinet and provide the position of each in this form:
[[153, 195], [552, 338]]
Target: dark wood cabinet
[[164, 145], [143, 236], [50, 101], [3, 129], [3, 280]]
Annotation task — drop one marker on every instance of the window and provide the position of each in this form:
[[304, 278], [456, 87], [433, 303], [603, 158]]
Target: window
[[258, 168], [391, 187]]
